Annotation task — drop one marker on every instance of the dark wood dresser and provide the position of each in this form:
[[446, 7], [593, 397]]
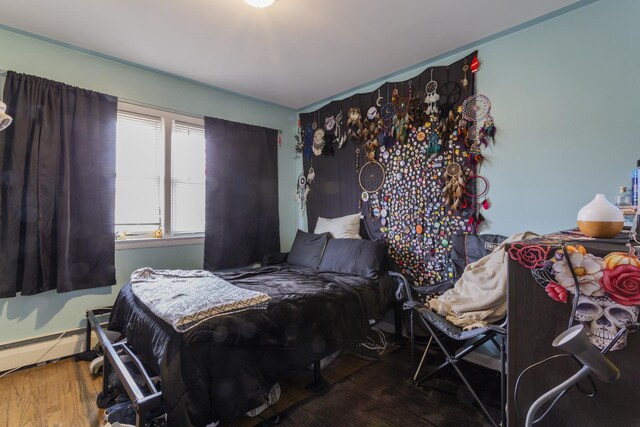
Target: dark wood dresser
[[535, 319]]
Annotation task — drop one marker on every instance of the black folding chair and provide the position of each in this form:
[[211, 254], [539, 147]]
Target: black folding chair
[[470, 341]]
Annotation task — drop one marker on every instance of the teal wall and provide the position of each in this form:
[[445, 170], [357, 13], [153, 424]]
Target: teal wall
[[564, 95], [26, 317]]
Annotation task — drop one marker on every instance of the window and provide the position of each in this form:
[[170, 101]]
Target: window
[[160, 177], [187, 178]]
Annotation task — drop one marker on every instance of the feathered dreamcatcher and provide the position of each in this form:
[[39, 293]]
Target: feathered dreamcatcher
[[354, 123], [303, 188]]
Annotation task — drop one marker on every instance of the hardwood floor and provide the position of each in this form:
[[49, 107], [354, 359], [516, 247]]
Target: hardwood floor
[[364, 393], [58, 394], [63, 394]]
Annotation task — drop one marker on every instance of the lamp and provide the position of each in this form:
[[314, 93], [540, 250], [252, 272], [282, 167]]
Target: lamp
[[576, 342], [260, 3], [5, 119]]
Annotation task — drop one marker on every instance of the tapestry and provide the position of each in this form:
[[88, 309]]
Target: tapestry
[[406, 157]]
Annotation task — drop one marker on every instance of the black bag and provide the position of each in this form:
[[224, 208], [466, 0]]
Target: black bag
[[467, 248]]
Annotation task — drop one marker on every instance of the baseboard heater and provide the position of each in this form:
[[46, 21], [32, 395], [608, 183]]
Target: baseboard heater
[[14, 354]]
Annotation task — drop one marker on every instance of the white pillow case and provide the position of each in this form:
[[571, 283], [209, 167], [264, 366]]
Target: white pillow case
[[345, 227]]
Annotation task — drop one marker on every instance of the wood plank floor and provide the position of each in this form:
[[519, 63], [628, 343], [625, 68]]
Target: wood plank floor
[[58, 394], [364, 394], [63, 394]]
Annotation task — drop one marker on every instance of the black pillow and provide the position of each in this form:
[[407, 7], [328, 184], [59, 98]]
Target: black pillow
[[356, 256], [307, 249]]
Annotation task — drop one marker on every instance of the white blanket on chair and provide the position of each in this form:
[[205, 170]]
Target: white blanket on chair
[[186, 298], [480, 295]]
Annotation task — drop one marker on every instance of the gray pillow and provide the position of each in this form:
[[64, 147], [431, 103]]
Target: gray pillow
[[307, 249], [355, 256]]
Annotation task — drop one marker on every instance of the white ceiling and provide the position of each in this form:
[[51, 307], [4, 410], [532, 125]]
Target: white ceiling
[[293, 53]]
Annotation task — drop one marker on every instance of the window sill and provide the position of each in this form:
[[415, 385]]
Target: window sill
[[196, 239]]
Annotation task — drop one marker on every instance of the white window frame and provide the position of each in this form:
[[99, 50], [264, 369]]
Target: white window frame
[[169, 239]]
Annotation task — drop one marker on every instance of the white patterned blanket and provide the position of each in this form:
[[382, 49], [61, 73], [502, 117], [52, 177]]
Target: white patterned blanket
[[185, 298]]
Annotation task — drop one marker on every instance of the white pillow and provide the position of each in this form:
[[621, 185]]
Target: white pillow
[[345, 227]]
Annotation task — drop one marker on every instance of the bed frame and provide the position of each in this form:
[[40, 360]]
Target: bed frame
[[145, 402]]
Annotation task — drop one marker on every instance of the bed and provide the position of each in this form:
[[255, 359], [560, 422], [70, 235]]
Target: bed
[[227, 364]]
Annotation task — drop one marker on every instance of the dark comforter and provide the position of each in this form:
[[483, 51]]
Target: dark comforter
[[226, 365]]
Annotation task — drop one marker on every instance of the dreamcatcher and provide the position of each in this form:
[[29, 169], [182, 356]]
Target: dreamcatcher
[[387, 113], [401, 103], [302, 191], [299, 139], [453, 190], [476, 188], [303, 187], [354, 123], [339, 137], [371, 178], [431, 89], [476, 108], [318, 141]]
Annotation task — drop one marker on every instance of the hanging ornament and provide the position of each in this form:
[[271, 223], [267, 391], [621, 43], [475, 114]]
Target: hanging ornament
[[308, 141], [311, 175], [432, 96], [329, 123], [452, 192], [401, 103], [302, 191], [339, 136], [379, 100], [299, 137], [318, 141], [475, 64], [464, 80], [476, 108], [372, 112], [354, 123], [488, 131]]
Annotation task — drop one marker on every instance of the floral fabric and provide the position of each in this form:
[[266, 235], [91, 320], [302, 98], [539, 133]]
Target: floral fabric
[[609, 295]]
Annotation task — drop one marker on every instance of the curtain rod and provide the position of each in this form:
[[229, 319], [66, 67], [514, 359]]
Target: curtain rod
[[3, 73]]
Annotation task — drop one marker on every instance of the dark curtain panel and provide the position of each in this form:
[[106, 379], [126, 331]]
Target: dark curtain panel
[[242, 221], [57, 194]]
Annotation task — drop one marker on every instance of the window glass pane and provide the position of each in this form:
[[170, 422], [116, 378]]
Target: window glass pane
[[139, 173], [187, 180]]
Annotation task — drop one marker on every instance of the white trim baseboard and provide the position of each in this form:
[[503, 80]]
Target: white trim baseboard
[[28, 354]]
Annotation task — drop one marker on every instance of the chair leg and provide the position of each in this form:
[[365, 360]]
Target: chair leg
[[475, 396], [413, 342], [424, 356], [453, 361]]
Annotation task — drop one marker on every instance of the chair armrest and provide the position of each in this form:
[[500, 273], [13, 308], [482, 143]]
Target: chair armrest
[[403, 293]]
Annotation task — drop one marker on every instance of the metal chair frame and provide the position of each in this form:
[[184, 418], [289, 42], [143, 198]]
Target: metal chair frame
[[452, 358]]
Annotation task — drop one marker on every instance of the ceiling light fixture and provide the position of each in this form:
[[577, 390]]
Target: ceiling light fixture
[[260, 3], [5, 119]]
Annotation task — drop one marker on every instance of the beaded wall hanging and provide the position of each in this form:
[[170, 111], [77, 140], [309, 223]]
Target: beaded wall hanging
[[417, 149]]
